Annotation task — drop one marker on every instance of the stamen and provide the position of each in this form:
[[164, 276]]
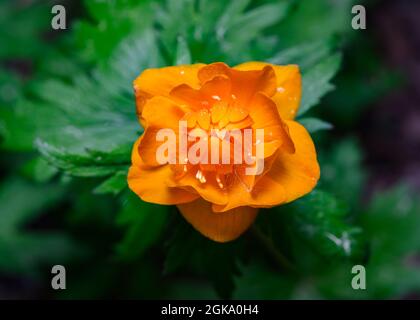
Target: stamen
[[219, 182], [200, 177]]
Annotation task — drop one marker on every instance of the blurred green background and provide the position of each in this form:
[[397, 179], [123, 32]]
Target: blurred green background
[[67, 124]]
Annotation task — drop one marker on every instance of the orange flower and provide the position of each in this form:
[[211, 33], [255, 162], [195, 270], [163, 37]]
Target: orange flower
[[221, 200]]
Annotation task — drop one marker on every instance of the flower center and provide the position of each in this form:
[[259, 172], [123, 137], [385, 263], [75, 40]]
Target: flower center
[[222, 128]]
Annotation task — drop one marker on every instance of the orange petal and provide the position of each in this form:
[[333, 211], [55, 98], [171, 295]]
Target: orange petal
[[184, 94], [163, 113], [159, 82], [236, 114], [210, 71], [223, 122], [244, 83], [248, 181], [191, 118], [245, 123], [289, 177], [160, 114], [289, 86], [149, 183], [271, 147], [265, 193], [298, 172], [218, 110], [203, 119], [247, 83], [218, 89], [265, 116], [209, 191], [220, 227]]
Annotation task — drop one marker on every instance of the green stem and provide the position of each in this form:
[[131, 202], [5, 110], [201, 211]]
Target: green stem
[[268, 245]]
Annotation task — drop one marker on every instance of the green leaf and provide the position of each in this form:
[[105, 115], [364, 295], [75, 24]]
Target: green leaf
[[181, 244], [342, 172], [377, 81], [320, 219], [10, 88], [145, 223], [28, 22], [313, 124], [393, 220], [258, 19], [189, 248], [86, 127], [39, 170], [113, 185], [214, 30], [230, 14], [317, 20], [255, 21], [259, 281], [111, 22], [22, 201], [19, 131], [305, 55], [391, 223], [24, 251], [3, 131], [83, 164], [183, 55], [316, 82]]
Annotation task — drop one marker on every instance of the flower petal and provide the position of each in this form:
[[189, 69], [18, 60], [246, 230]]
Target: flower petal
[[289, 84], [265, 116], [298, 173], [185, 94], [244, 83], [214, 90], [218, 88], [290, 176], [159, 82], [208, 191], [149, 183], [159, 114], [265, 193], [220, 227], [163, 113]]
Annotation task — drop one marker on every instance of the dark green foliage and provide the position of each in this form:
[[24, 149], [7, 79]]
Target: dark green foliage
[[68, 123], [216, 262], [320, 219], [146, 223], [21, 28], [342, 171], [24, 251]]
